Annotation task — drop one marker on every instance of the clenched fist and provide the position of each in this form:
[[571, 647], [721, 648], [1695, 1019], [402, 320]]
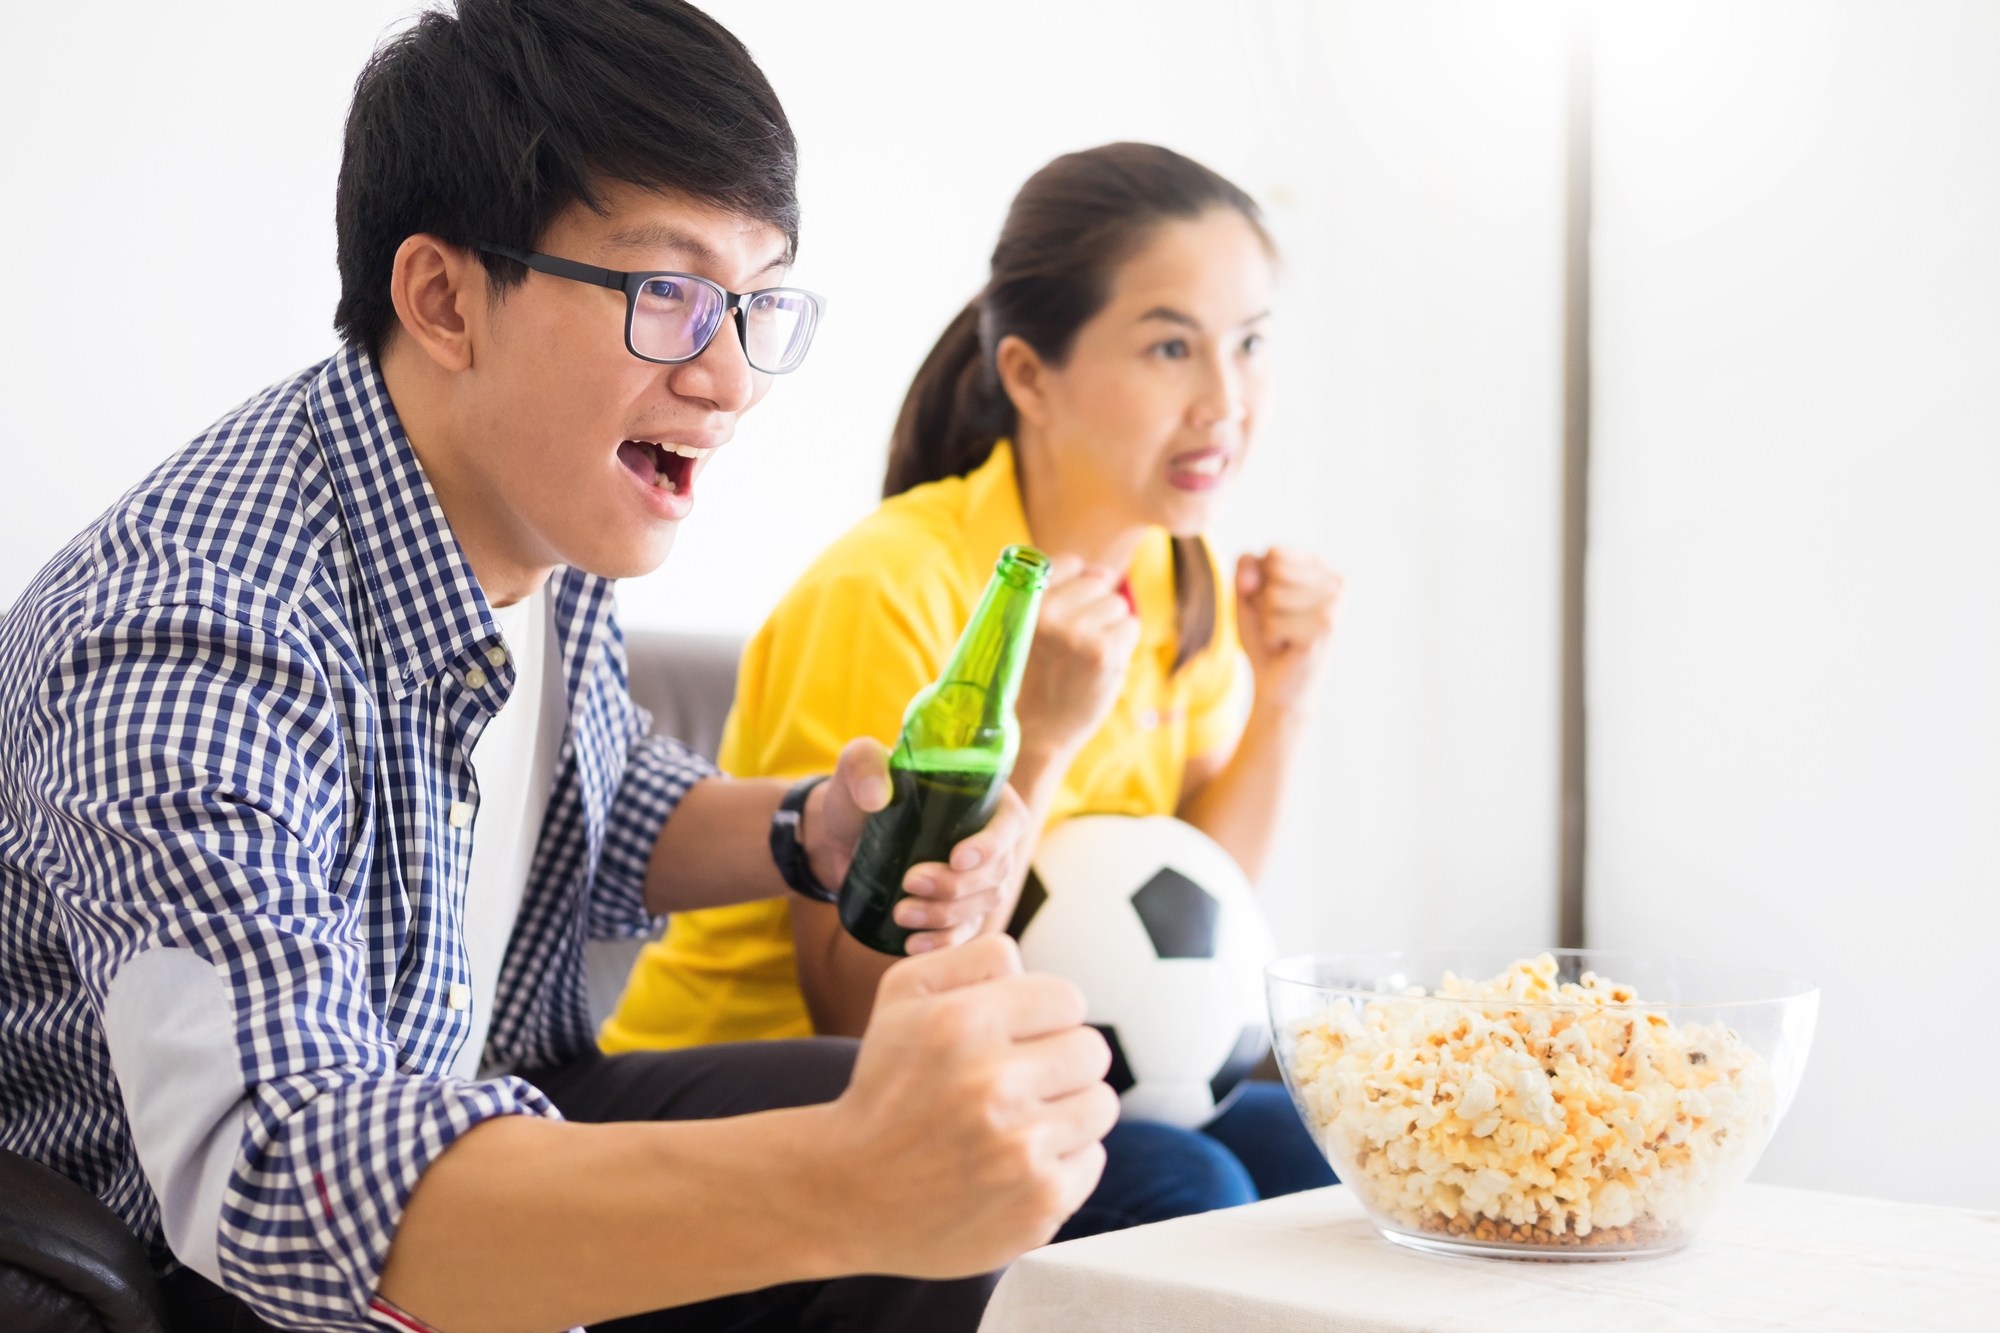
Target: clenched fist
[[1286, 603], [971, 1128], [1083, 644]]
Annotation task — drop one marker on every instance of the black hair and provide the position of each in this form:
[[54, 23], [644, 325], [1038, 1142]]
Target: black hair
[[482, 122], [1073, 223]]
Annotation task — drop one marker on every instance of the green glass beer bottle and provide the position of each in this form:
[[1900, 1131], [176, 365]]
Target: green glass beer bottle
[[956, 752]]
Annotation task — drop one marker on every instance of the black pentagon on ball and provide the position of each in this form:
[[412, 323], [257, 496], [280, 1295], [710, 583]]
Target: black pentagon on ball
[[1119, 1076], [1179, 915], [1033, 895]]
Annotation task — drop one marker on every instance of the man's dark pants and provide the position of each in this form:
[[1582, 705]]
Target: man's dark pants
[[701, 1083]]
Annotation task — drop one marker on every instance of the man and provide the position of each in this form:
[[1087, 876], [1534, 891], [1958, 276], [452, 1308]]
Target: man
[[317, 767]]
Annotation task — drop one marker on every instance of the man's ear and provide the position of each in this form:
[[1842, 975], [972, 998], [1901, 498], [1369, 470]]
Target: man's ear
[[1024, 376], [433, 284]]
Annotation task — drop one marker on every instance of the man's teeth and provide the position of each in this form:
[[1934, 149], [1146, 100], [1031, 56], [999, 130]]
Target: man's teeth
[[684, 450], [662, 478]]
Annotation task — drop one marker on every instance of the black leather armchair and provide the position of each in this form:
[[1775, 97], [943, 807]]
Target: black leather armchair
[[68, 1264]]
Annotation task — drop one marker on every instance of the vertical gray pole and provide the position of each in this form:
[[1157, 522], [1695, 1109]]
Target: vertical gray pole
[[1576, 482]]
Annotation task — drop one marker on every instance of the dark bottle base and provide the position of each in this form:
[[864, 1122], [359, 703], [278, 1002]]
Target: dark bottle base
[[871, 920], [928, 814]]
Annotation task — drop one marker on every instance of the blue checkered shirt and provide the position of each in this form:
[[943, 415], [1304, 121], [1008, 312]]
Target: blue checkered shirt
[[235, 716]]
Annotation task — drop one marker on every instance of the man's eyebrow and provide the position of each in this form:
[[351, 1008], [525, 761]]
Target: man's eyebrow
[[661, 236], [666, 236]]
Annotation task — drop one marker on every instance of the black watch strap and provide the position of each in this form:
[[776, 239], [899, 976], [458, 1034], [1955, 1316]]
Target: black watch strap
[[794, 867]]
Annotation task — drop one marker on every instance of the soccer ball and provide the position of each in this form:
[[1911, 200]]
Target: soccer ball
[[1160, 928]]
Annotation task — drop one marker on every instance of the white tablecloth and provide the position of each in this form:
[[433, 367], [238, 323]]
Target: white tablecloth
[[1770, 1258]]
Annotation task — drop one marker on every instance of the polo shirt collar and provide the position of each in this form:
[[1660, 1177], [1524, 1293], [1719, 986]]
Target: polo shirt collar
[[428, 605]]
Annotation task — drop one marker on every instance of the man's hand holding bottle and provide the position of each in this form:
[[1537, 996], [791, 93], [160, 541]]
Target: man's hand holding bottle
[[947, 902]]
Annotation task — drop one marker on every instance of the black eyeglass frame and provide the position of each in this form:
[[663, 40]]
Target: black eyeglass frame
[[632, 283]]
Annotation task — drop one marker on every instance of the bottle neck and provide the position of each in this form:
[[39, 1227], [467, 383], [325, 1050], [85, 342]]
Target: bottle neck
[[966, 719], [993, 651]]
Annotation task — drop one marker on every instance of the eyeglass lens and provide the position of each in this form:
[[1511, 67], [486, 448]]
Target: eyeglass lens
[[779, 325], [674, 318]]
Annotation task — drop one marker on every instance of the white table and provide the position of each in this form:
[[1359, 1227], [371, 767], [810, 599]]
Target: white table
[[1770, 1258]]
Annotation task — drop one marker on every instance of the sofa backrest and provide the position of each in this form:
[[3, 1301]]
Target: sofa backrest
[[687, 682]]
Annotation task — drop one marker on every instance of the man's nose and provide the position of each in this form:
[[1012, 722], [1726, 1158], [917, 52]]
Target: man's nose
[[721, 375]]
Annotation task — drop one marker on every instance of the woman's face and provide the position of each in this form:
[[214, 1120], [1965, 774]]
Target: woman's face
[[1155, 407]]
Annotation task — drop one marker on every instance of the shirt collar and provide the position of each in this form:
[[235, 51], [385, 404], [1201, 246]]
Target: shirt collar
[[427, 602]]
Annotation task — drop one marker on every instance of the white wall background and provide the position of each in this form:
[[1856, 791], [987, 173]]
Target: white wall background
[[1794, 630], [1409, 156]]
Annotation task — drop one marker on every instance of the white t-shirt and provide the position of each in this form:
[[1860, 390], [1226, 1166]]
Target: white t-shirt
[[514, 764]]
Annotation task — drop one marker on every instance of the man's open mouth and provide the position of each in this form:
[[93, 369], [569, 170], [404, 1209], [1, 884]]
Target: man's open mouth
[[667, 467]]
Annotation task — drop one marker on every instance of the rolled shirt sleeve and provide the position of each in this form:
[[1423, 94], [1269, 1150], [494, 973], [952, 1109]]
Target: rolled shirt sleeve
[[659, 771], [196, 785]]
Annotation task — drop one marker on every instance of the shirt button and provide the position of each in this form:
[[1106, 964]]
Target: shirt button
[[461, 995], [496, 656], [461, 814], [476, 678]]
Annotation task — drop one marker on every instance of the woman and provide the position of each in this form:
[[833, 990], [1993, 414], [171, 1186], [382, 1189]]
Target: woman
[[1094, 401]]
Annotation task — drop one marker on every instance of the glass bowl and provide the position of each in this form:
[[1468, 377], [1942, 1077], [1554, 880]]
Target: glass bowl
[[1579, 1105]]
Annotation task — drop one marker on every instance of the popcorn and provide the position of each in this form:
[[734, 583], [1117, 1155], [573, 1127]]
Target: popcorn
[[1526, 1110]]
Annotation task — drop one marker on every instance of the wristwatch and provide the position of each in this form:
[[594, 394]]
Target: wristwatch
[[794, 866]]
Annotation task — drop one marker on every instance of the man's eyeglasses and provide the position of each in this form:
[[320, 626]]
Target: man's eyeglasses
[[673, 317]]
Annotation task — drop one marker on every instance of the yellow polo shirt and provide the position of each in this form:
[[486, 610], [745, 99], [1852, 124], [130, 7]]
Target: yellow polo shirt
[[870, 624]]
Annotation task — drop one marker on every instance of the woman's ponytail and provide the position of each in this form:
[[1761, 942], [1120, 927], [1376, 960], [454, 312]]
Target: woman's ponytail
[[954, 413]]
